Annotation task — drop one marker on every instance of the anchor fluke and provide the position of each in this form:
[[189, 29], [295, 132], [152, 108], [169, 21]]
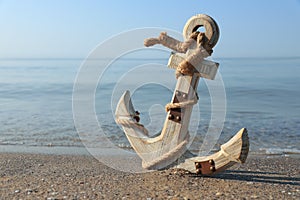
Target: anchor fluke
[[128, 117]]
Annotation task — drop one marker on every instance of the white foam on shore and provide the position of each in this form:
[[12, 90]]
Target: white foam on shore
[[279, 151], [57, 150]]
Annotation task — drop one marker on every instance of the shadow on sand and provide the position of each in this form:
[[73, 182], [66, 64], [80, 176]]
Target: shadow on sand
[[262, 177]]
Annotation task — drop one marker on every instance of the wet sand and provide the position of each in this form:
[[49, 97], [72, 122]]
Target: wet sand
[[41, 176]]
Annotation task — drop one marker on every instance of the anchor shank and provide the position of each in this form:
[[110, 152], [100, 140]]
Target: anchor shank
[[185, 90]]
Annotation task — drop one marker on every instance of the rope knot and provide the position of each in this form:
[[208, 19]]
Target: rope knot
[[204, 50]]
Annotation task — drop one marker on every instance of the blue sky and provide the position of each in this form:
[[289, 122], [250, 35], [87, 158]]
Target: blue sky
[[72, 28]]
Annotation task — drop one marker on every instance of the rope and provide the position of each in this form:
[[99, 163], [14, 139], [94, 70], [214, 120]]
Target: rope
[[203, 50], [186, 67], [129, 123], [184, 104], [170, 42], [174, 153]]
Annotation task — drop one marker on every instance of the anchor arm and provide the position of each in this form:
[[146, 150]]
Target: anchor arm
[[160, 151], [232, 152]]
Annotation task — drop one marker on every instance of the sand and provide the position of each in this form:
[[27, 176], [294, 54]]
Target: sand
[[41, 176]]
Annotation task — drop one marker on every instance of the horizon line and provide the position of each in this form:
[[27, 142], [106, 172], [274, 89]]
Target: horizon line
[[143, 58]]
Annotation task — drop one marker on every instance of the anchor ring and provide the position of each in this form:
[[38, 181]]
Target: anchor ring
[[212, 31]]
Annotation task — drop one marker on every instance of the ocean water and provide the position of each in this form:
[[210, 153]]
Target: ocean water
[[262, 94]]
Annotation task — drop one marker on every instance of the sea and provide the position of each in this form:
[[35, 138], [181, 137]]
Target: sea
[[37, 106]]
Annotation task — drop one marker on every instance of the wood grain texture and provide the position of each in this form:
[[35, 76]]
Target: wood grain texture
[[163, 150], [232, 152]]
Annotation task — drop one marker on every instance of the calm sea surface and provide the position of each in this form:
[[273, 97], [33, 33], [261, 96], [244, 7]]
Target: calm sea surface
[[36, 103]]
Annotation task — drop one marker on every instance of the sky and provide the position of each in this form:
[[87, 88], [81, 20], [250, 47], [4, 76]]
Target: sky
[[73, 28]]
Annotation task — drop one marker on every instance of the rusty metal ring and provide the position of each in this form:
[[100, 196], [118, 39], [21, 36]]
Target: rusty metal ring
[[212, 31]]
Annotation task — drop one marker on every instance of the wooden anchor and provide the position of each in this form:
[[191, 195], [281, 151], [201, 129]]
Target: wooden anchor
[[163, 150]]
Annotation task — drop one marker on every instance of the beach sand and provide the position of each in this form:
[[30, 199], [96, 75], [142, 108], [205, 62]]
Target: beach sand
[[41, 176]]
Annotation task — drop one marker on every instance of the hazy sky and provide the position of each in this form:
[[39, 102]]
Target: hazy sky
[[72, 28]]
